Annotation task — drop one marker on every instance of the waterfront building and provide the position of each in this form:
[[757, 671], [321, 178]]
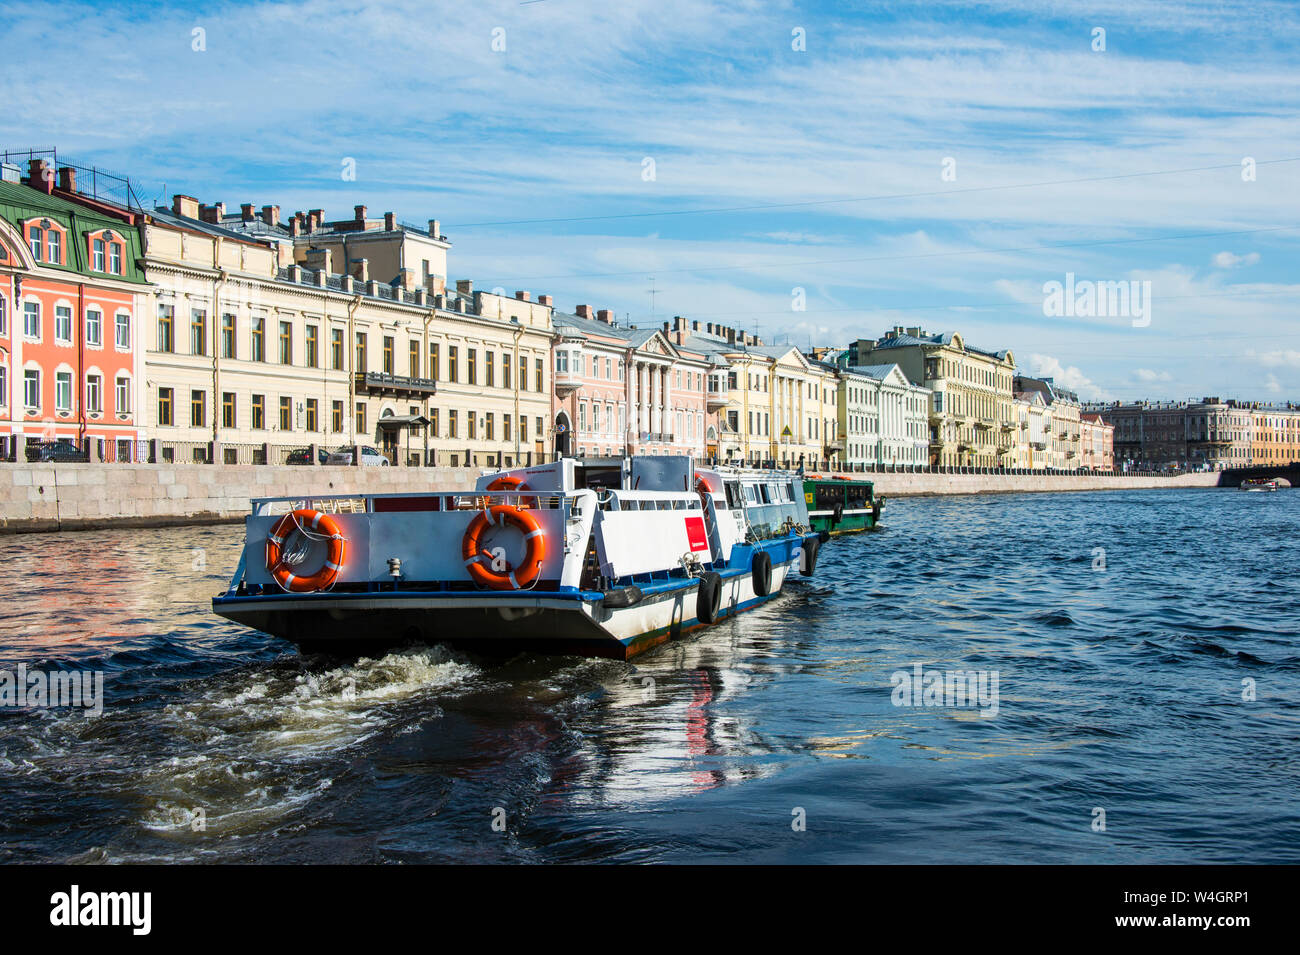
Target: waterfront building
[[71, 297], [627, 390], [1275, 437], [1155, 435], [883, 417], [1034, 431], [1096, 442], [780, 406], [263, 341], [971, 416], [1063, 429]]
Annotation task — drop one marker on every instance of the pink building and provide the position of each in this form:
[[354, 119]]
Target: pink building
[[1097, 438], [626, 390]]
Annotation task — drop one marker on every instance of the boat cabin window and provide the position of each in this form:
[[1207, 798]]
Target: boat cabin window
[[828, 495], [751, 494], [734, 498]]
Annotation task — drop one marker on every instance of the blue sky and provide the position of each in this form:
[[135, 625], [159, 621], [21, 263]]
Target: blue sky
[[534, 156]]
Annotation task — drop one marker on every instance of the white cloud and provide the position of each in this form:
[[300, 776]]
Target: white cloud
[[1272, 384], [1045, 366], [1146, 374], [1285, 357], [1227, 260]]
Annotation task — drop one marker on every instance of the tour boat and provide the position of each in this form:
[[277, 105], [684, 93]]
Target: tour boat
[[841, 503], [600, 557], [1259, 484]]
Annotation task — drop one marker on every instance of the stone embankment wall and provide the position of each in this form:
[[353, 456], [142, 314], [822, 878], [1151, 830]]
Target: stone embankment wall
[[920, 485], [49, 497]]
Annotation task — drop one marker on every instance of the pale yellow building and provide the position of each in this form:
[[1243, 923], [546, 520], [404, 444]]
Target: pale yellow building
[[972, 418], [261, 342]]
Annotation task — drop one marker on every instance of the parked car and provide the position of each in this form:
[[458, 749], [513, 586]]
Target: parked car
[[303, 456], [369, 456], [56, 451]]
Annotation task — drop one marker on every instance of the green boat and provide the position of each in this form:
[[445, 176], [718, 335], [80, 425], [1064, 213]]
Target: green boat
[[841, 504]]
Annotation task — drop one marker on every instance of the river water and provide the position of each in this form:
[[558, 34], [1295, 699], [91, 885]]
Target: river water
[[1144, 646]]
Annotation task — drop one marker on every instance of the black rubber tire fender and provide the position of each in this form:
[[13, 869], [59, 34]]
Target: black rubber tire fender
[[760, 573], [808, 562], [708, 597]]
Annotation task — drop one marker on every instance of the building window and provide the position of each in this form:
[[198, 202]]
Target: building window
[[505, 427], [286, 414], [388, 354], [94, 393], [164, 406], [453, 363], [361, 417], [228, 409], [258, 351], [4, 386], [360, 363], [311, 343], [489, 369], [63, 324], [198, 332], [505, 370], [122, 398], [97, 255], [471, 425], [227, 336], [413, 358], [311, 415], [259, 412], [122, 330], [451, 424], [471, 366], [489, 427], [4, 316], [54, 244], [523, 374], [433, 422], [539, 382], [433, 360], [115, 258], [286, 343], [336, 417], [32, 389], [198, 409], [37, 241], [94, 327], [336, 350], [523, 428], [166, 341]]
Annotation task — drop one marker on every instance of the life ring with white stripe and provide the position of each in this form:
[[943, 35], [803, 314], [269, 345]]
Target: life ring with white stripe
[[485, 569], [510, 482], [704, 484], [314, 524]]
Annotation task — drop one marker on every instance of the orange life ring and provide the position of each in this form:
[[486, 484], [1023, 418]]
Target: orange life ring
[[474, 556], [705, 482], [283, 573], [510, 482]]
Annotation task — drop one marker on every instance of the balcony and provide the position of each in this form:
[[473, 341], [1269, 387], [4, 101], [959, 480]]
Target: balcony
[[717, 396], [566, 382], [397, 386], [984, 424]]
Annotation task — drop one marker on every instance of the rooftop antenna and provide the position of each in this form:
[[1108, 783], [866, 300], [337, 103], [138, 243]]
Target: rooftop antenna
[[653, 293]]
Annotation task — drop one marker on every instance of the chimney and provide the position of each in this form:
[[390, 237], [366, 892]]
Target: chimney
[[407, 279], [246, 211], [315, 218], [665, 328], [295, 225], [605, 315], [271, 215], [321, 260], [731, 336], [695, 325], [545, 300], [436, 285], [465, 287], [360, 269], [186, 206], [390, 222], [916, 332], [68, 179], [583, 311], [360, 213], [435, 229], [523, 296], [38, 175]]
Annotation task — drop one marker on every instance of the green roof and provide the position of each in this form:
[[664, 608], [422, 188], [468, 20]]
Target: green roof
[[19, 203]]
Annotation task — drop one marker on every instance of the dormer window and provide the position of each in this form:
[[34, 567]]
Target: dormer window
[[97, 255], [54, 247], [36, 237]]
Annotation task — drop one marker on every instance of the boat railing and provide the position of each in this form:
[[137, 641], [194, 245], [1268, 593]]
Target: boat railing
[[474, 500]]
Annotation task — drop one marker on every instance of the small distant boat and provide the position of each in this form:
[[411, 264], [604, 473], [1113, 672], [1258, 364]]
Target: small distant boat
[[841, 504], [1259, 484]]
